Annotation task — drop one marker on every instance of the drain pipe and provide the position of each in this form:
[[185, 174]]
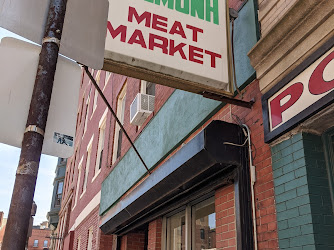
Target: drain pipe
[[253, 180]]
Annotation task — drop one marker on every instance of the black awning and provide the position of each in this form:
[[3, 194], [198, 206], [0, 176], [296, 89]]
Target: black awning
[[205, 161]]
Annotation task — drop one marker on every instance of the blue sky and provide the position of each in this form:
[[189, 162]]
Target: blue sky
[[9, 157]]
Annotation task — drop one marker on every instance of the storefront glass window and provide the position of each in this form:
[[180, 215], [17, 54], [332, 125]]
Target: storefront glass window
[[176, 231], [204, 225], [193, 228]]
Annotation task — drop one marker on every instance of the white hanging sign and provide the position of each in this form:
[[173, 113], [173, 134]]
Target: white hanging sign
[[18, 66], [181, 44]]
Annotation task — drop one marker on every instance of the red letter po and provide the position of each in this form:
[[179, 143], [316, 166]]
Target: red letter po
[[295, 91], [317, 84]]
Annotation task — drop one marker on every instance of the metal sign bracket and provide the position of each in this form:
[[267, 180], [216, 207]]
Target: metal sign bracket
[[229, 100]]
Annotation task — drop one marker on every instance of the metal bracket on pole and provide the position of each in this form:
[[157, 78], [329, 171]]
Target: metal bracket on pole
[[229, 100], [51, 40], [34, 128]]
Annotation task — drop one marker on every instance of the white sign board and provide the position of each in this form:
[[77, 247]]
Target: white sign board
[[84, 30], [177, 43], [294, 100], [18, 66]]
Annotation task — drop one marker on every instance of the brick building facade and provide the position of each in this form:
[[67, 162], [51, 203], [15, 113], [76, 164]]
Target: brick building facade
[[39, 239], [207, 189], [2, 227], [293, 60]]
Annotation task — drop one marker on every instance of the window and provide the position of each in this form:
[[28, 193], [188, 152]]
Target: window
[[96, 93], [86, 116], [59, 193], [118, 132], [204, 225], [45, 243], [100, 145], [79, 243], [147, 88], [61, 160], [176, 231], [90, 239], [107, 78], [35, 243], [192, 228], [89, 150], [78, 182]]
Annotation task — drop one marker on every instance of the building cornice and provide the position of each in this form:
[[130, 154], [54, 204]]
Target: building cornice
[[302, 30]]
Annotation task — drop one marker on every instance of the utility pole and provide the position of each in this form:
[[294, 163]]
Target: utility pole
[[22, 198]]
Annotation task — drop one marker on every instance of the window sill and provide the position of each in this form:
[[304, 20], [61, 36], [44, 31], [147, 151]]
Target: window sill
[[82, 194], [94, 108], [96, 175]]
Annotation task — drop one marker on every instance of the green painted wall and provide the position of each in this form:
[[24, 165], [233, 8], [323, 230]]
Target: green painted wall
[[303, 200], [245, 37], [181, 114], [177, 118]]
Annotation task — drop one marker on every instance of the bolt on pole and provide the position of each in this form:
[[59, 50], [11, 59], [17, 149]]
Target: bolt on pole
[[22, 198]]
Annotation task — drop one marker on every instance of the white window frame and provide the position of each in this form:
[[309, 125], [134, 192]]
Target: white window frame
[[86, 116], [47, 243], [78, 183], [35, 243], [120, 115], [96, 93], [88, 160], [101, 142], [106, 80], [143, 86], [90, 238], [79, 242]]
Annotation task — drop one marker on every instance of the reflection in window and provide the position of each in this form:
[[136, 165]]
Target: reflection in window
[[59, 193], [204, 225], [35, 243], [176, 231]]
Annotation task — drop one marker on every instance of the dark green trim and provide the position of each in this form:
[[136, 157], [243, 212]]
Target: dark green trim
[[328, 139], [258, 28]]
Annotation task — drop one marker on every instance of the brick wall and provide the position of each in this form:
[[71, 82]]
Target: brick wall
[[82, 231], [225, 218], [304, 209], [154, 234], [270, 11], [40, 235], [106, 241], [133, 241]]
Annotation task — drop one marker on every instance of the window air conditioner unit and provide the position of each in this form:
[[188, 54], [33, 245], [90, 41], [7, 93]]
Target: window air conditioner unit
[[141, 107]]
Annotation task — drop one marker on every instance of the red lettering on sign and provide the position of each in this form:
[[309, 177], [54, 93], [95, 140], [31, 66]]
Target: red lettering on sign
[[177, 29], [317, 84], [153, 43], [178, 48], [294, 91], [213, 57], [145, 16], [159, 20], [137, 37], [193, 52], [195, 32], [120, 30]]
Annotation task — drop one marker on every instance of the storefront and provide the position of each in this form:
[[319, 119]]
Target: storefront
[[200, 195], [294, 62]]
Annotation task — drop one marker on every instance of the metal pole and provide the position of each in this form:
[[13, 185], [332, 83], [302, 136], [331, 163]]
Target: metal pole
[[22, 198]]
